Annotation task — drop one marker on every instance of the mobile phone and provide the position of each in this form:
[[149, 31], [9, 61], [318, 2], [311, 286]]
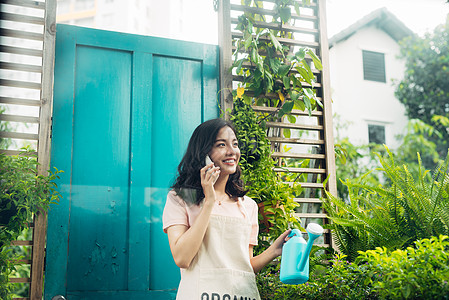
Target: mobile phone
[[208, 161]]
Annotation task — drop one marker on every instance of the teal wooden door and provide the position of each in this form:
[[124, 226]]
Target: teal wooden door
[[124, 108]]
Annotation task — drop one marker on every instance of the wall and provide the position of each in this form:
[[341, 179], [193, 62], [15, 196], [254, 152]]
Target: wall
[[362, 102]]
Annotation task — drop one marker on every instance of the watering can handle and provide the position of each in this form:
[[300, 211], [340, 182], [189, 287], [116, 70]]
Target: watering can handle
[[294, 232]]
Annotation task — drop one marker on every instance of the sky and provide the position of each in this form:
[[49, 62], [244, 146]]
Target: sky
[[420, 16]]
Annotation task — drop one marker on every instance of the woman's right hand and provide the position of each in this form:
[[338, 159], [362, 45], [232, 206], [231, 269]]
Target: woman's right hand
[[209, 175]]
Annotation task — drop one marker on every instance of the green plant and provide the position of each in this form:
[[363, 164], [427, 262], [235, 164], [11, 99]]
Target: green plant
[[339, 280], [4, 126], [424, 89], [23, 193], [419, 272], [394, 214], [270, 73], [274, 197]]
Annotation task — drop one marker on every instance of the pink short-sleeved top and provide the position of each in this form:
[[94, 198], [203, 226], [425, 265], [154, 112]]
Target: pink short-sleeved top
[[177, 212]]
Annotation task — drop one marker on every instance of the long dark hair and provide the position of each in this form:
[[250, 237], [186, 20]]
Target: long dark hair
[[188, 182]]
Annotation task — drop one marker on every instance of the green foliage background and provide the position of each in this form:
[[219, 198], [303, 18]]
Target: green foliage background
[[425, 88]]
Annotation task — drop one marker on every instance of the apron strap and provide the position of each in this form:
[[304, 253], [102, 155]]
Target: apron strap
[[242, 207]]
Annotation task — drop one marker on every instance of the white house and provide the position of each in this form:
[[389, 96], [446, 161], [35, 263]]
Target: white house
[[363, 64]]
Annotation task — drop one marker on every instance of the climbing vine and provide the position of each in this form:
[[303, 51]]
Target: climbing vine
[[273, 74]]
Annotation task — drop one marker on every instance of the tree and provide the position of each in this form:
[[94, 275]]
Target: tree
[[425, 88]]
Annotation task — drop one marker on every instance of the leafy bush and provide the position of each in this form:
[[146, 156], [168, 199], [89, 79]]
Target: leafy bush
[[23, 193], [419, 272], [275, 198], [341, 280], [394, 214]]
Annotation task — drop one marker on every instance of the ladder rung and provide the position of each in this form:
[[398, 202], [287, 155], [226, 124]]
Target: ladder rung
[[22, 18], [304, 84], [311, 215], [20, 84], [298, 155], [14, 152], [21, 51], [22, 243], [300, 170], [19, 101], [19, 135], [25, 3], [22, 262], [295, 141], [13, 118], [306, 184], [21, 34], [283, 41], [20, 280], [293, 112], [294, 126], [261, 11], [279, 26], [20, 67], [307, 200]]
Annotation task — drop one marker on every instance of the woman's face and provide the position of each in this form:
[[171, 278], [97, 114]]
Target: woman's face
[[225, 152]]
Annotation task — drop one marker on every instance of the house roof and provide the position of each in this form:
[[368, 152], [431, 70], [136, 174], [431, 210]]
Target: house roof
[[380, 18]]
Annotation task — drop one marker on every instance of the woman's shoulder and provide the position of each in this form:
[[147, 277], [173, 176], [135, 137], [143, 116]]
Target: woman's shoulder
[[172, 196], [248, 201]]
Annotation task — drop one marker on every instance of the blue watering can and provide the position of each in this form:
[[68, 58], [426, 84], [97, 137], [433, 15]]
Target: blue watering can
[[295, 255]]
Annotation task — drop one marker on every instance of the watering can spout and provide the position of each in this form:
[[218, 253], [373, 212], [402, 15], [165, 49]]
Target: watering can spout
[[314, 231]]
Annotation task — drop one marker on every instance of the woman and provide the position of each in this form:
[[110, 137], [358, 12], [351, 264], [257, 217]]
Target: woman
[[211, 225]]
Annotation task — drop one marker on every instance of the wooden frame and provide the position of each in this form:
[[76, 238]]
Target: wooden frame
[[318, 134], [47, 38]]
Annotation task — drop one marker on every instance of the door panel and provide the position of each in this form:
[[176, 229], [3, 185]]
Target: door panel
[[124, 108], [100, 170], [174, 103]]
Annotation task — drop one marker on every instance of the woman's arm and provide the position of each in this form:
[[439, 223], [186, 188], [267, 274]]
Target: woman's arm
[[184, 241], [275, 249]]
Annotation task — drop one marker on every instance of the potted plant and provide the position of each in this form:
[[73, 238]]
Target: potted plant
[[23, 193]]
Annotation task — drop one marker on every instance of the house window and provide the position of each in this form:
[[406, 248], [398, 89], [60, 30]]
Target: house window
[[373, 66], [376, 134]]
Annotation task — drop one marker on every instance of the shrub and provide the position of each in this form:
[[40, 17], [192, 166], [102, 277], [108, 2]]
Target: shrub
[[23, 193], [420, 272], [274, 197], [394, 214]]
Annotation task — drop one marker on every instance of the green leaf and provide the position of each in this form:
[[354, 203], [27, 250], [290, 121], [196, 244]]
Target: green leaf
[[307, 103], [285, 13], [275, 42], [299, 104], [297, 8], [294, 95], [238, 64], [301, 54], [316, 60], [274, 64], [287, 132], [286, 81], [283, 70], [304, 74], [291, 119]]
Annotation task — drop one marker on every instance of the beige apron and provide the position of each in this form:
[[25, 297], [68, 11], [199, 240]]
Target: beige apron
[[221, 270]]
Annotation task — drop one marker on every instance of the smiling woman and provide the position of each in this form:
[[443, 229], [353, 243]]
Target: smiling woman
[[211, 225]]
